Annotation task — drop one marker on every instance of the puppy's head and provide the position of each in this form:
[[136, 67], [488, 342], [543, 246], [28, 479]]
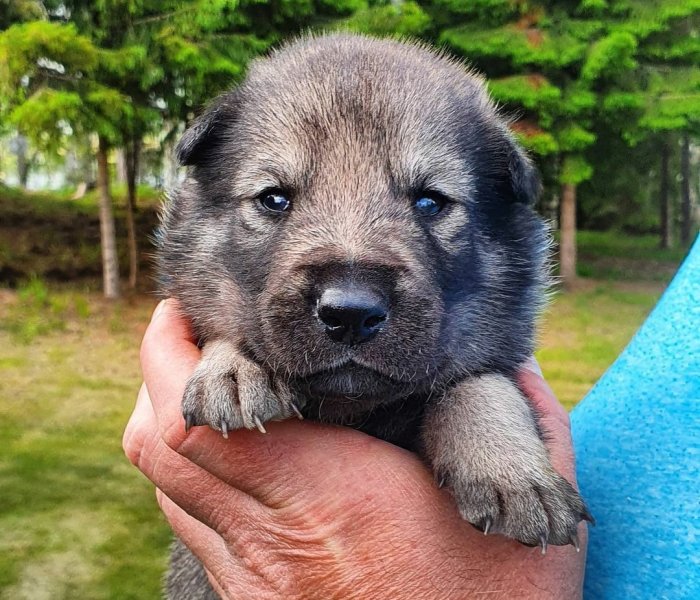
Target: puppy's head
[[358, 215]]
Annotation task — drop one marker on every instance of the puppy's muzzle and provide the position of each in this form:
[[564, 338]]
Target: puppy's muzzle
[[351, 315]]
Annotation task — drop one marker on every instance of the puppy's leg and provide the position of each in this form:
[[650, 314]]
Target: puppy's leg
[[482, 440], [228, 391]]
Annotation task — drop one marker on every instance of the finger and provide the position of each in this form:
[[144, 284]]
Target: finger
[[139, 416], [213, 582], [297, 460], [198, 537], [199, 493], [541, 396], [552, 418], [169, 355]]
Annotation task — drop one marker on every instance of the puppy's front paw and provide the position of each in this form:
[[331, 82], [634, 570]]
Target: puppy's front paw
[[534, 506], [227, 391], [482, 440]]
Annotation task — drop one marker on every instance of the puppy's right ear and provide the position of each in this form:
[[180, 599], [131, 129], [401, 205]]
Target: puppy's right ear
[[524, 178], [204, 134]]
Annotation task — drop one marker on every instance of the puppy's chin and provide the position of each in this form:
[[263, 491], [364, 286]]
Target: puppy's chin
[[352, 390]]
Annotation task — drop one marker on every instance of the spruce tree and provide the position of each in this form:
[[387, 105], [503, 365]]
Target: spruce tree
[[565, 67]]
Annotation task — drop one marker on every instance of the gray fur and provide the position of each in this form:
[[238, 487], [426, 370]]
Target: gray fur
[[354, 130], [482, 440], [229, 391], [186, 578]]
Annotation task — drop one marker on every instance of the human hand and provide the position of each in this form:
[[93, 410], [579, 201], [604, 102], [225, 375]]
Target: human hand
[[312, 510]]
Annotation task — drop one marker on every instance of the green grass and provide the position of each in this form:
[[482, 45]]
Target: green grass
[[61, 202], [56, 238], [584, 331], [622, 245], [618, 256], [76, 520]]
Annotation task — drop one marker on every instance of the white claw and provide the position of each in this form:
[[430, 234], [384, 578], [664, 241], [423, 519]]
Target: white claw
[[259, 425], [297, 412], [487, 527], [224, 430]]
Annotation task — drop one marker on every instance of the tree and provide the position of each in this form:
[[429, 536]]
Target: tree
[[670, 79], [49, 93], [389, 19], [148, 67], [686, 207], [572, 71], [543, 63], [19, 146], [654, 103], [18, 11]]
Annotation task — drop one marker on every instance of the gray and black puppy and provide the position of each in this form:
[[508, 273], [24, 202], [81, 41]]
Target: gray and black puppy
[[355, 243]]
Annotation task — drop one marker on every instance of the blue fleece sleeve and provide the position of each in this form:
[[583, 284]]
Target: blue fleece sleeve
[[637, 439]]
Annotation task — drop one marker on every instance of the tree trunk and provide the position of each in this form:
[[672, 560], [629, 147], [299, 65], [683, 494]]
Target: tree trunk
[[23, 162], [664, 200], [169, 166], [121, 164], [108, 239], [686, 215], [131, 154], [567, 239], [22, 170]]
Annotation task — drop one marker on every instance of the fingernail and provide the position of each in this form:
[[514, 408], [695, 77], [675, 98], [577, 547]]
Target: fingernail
[[531, 364], [158, 310]]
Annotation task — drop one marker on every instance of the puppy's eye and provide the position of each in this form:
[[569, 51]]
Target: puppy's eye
[[429, 204], [274, 201]]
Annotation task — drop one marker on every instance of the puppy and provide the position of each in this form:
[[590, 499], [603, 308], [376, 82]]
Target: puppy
[[355, 243]]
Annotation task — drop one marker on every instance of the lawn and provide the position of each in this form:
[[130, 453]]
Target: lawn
[[583, 332], [76, 520]]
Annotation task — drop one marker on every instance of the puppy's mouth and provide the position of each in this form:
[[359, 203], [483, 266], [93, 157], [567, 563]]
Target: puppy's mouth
[[352, 381]]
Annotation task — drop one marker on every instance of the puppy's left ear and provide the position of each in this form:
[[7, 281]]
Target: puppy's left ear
[[206, 132], [191, 145], [524, 178]]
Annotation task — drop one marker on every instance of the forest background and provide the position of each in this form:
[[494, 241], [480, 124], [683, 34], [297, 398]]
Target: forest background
[[605, 94]]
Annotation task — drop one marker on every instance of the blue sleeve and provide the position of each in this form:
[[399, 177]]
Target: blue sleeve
[[637, 439]]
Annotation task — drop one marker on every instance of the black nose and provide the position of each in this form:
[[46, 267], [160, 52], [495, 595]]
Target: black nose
[[351, 315]]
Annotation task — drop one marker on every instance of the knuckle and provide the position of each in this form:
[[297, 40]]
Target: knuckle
[[131, 448]]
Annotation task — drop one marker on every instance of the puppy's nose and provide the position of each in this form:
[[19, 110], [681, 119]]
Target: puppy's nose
[[351, 315]]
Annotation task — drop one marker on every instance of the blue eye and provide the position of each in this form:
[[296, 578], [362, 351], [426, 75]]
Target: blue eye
[[274, 201], [429, 205]]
